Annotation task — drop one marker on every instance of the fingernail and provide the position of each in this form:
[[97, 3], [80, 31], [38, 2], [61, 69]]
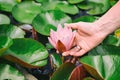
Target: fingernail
[[64, 54]]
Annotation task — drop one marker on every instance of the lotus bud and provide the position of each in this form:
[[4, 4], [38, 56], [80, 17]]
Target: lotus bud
[[62, 39]]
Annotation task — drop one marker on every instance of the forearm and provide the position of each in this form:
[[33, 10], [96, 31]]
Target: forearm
[[110, 21]]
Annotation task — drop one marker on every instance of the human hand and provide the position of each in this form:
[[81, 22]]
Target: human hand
[[88, 36]]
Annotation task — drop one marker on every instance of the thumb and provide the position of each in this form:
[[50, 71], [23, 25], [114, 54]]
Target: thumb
[[72, 25]]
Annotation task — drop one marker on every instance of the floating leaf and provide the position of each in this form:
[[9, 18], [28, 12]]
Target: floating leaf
[[42, 0], [88, 78], [117, 33], [105, 64], [5, 43], [4, 19], [11, 31], [7, 5], [113, 2], [86, 18], [60, 5], [26, 27], [112, 40], [75, 1], [56, 59], [63, 72], [95, 7], [27, 52], [9, 72], [49, 20], [79, 73], [49, 46], [26, 11], [85, 6], [67, 8]]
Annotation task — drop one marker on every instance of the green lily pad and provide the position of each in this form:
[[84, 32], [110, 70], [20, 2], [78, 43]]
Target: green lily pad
[[7, 5], [45, 7], [88, 78], [113, 2], [112, 40], [4, 19], [86, 18], [5, 43], [41, 0], [67, 8], [79, 73], [27, 52], [56, 60], [11, 31], [85, 6], [49, 20], [26, 11], [63, 6], [63, 72], [9, 72], [75, 1], [95, 7], [105, 64], [117, 33]]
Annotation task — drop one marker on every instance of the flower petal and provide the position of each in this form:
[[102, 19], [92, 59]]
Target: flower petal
[[59, 28], [52, 42], [60, 46], [71, 41], [53, 36]]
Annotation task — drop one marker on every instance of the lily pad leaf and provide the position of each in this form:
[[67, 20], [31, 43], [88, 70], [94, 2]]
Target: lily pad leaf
[[49, 20], [88, 78], [113, 2], [67, 8], [78, 73], [11, 31], [75, 1], [5, 43], [26, 11], [56, 60], [105, 64], [63, 6], [63, 72], [27, 52], [4, 19], [95, 7], [112, 40], [9, 72], [86, 18], [42, 0], [7, 5]]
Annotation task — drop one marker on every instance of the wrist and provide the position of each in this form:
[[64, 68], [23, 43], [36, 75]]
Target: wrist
[[105, 27]]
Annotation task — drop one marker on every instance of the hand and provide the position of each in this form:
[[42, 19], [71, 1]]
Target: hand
[[88, 36]]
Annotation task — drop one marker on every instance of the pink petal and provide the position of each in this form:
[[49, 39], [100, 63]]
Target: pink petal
[[52, 42], [53, 36], [59, 28], [65, 41], [71, 41]]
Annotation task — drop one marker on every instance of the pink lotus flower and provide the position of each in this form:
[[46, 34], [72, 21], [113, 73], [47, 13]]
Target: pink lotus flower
[[62, 39]]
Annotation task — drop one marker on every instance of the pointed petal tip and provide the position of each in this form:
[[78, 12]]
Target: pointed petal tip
[[59, 26]]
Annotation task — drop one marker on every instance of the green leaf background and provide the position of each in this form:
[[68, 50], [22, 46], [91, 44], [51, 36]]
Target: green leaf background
[[19, 46]]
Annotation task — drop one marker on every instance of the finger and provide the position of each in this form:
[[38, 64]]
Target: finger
[[79, 53], [65, 53], [73, 50], [72, 25]]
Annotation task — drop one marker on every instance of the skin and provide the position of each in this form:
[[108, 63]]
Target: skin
[[89, 35]]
